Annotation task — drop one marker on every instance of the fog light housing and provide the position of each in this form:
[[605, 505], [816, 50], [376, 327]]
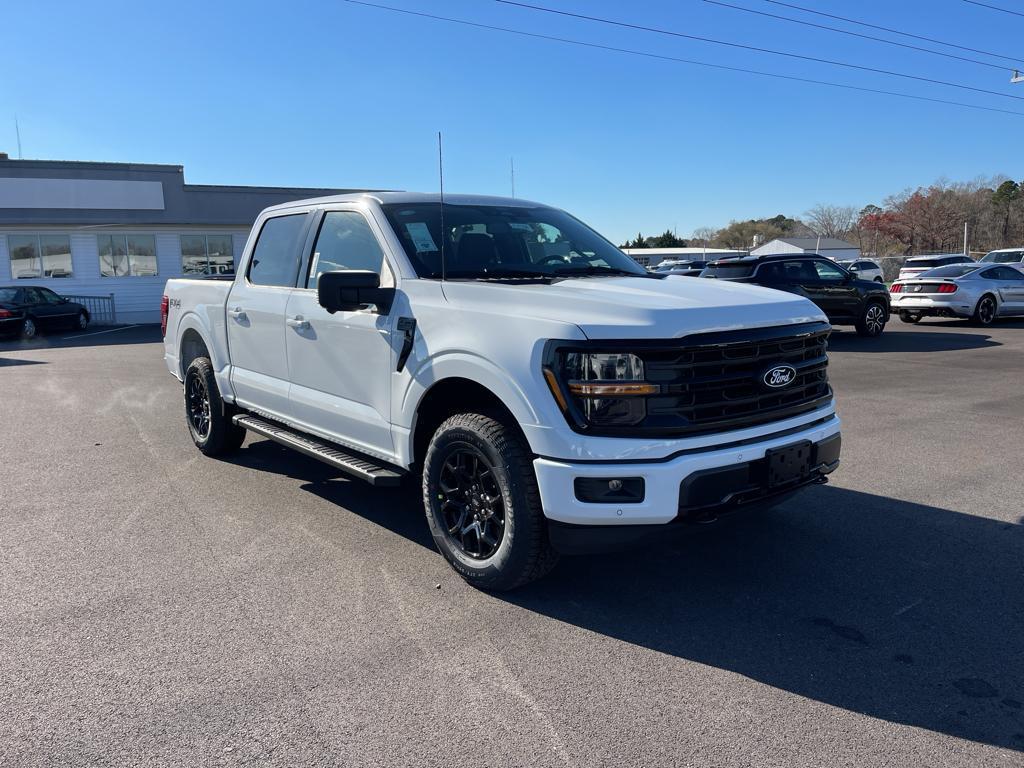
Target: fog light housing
[[609, 490]]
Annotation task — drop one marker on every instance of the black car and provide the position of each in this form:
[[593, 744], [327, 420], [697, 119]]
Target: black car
[[29, 309], [845, 299]]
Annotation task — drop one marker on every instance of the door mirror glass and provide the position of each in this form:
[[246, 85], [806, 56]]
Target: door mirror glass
[[351, 290]]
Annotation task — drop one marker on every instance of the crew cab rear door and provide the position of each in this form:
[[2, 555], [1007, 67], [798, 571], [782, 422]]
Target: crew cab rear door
[[256, 314], [340, 364]]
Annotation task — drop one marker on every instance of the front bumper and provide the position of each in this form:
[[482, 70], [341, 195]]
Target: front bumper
[[928, 306], [692, 484]]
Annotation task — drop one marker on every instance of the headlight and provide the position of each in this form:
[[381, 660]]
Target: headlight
[[608, 389]]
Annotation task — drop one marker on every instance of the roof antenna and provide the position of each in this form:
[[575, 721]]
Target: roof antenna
[[17, 132], [440, 174], [512, 166]]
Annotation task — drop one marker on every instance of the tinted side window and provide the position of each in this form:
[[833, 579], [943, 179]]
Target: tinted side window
[[49, 296], [275, 257], [828, 271], [345, 242], [1007, 273]]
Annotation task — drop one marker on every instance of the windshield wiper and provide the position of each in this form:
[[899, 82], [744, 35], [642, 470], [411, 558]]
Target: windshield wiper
[[498, 274], [595, 270]]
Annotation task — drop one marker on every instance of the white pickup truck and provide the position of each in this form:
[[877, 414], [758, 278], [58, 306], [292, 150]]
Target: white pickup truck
[[552, 395]]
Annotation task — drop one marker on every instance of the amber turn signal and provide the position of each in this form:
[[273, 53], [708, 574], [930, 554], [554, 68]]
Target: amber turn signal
[[612, 388]]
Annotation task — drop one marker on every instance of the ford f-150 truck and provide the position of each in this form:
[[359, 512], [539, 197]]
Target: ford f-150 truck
[[551, 395]]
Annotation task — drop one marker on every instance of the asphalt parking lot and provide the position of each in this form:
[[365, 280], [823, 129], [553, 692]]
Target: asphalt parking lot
[[161, 608]]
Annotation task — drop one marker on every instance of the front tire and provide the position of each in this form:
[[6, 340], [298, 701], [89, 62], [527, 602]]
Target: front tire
[[207, 415], [872, 320], [910, 317], [82, 321], [985, 312], [482, 503]]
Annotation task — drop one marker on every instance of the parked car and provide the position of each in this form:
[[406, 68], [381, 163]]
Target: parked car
[[1012, 256], [864, 269], [978, 291], [30, 309], [844, 298], [915, 265], [685, 268], [549, 394]]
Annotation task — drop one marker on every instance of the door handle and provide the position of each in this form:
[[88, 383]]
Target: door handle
[[297, 322], [237, 312]]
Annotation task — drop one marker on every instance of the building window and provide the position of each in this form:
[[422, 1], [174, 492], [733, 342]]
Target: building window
[[127, 255], [207, 255], [34, 256]]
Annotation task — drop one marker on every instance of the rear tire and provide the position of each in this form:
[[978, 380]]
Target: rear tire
[[482, 503], [872, 320], [910, 317], [207, 415], [29, 330], [985, 312]]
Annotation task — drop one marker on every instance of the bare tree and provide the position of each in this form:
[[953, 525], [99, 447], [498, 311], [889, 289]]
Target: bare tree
[[703, 236], [831, 220]]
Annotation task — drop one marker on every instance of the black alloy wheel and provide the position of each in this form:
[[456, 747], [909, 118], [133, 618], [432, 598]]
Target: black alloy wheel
[[986, 311], [471, 502], [197, 405]]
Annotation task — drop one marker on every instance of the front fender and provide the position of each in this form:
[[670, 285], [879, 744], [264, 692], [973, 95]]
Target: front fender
[[528, 407]]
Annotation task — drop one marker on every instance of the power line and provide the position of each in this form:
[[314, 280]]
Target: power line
[[662, 57], [1001, 68], [1016, 59], [994, 7], [757, 49]]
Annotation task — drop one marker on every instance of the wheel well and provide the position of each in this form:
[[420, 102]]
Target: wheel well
[[192, 346], [448, 397]]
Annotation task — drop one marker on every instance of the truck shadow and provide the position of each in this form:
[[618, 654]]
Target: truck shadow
[[399, 510], [909, 341], [904, 612], [900, 611]]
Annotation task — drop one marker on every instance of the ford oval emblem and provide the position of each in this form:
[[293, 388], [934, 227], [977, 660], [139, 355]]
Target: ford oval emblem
[[779, 376]]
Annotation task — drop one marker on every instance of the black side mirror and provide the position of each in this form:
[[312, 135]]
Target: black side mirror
[[353, 289]]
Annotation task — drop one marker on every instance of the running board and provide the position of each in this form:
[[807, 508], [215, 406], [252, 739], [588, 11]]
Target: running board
[[357, 465]]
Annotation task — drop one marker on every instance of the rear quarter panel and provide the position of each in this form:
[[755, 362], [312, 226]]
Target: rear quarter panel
[[197, 306]]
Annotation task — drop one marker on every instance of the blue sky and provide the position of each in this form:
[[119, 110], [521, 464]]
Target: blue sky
[[332, 94]]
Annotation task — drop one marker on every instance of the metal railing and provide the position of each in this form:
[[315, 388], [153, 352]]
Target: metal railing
[[101, 308]]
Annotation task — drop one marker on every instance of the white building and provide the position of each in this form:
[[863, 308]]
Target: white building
[[115, 232], [651, 257], [830, 247]]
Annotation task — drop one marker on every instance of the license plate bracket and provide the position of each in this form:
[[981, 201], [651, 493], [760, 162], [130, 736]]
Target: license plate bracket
[[789, 463]]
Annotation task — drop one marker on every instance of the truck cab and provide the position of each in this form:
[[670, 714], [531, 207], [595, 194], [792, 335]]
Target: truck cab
[[548, 394]]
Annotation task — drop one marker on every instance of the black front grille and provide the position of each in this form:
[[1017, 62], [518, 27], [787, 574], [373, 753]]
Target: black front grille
[[715, 382]]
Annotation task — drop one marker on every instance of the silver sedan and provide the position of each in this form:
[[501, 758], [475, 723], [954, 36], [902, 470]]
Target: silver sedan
[[981, 292]]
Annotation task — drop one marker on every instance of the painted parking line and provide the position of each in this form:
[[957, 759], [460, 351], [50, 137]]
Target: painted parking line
[[97, 333]]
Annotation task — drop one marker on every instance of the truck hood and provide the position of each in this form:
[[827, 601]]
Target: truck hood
[[637, 307]]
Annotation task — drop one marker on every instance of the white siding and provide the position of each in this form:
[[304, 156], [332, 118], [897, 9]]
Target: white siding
[[136, 299]]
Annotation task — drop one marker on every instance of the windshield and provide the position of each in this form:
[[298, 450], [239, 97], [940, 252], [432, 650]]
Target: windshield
[[487, 242], [956, 270], [1005, 257], [7, 294]]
